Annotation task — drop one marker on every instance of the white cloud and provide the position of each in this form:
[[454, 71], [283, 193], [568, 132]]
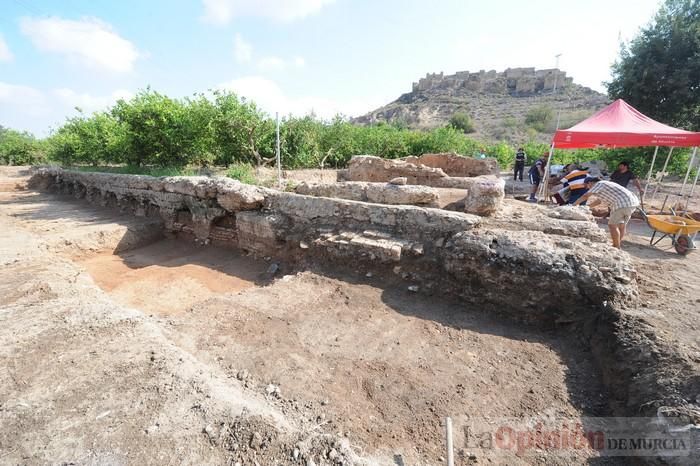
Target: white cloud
[[89, 103], [17, 98], [299, 62], [5, 53], [271, 64], [223, 11], [242, 50], [27, 108], [271, 98], [89, 41]]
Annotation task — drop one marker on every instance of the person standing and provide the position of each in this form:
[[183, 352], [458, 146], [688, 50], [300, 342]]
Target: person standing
[[623, 175], [520, 161], [622, 204], [536, 174]]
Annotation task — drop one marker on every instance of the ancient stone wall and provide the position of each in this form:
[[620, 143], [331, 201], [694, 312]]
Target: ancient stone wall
[[528, 271], [377, 193], [427, 170]]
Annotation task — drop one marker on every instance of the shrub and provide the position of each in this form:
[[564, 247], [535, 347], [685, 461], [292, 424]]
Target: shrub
[[540, 118], [462, 122], [510, 122]]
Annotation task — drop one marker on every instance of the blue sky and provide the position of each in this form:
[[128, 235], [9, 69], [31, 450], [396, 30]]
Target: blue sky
[[330, 56]]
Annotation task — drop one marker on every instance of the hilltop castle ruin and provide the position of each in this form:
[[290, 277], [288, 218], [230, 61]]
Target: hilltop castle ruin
[[513, 81], [497, 102]]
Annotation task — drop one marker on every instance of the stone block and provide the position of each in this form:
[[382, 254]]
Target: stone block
[[485, 195]]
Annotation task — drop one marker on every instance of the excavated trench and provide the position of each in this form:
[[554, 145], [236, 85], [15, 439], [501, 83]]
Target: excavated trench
[[359, 355], [350, 348]]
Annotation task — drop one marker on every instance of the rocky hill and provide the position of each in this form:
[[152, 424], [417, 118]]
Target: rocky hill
[[516, 104]]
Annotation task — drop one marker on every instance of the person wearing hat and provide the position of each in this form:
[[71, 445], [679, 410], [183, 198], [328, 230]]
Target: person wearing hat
[[622, 203]]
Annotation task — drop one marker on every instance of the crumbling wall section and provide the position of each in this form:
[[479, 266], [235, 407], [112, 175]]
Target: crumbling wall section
[[457, 165], [531, 271], [428, 169], [484, 195]]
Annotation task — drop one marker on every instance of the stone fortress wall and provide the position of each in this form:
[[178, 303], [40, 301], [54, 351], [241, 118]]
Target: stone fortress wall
[[514, 81]]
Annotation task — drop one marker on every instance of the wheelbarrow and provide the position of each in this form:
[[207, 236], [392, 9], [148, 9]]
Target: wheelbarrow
[[681, 230]]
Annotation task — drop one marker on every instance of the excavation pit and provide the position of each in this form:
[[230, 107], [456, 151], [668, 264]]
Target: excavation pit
[[356, 355], [323, 353]]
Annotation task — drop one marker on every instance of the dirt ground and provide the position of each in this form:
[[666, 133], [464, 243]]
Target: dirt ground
[[120, 347], [669, 288], [170, 276]]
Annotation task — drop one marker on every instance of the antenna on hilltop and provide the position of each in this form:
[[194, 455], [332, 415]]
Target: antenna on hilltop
[[556, 75]]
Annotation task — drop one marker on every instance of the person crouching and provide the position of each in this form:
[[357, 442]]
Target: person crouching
[[575, 180], [622, 203]]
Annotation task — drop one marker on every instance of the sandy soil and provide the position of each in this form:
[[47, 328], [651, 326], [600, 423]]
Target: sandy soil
[[170, 276], [268, 176]]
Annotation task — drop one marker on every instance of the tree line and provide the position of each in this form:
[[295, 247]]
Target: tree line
[[222, 129]]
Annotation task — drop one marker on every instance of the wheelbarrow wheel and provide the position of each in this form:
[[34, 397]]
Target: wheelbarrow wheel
[[683, 245]]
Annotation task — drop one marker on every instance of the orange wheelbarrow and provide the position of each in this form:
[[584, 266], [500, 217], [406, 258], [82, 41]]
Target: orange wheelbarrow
[[681, 230]]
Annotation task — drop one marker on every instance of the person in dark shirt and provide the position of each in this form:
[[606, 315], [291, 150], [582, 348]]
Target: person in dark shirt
[[520, 161], [623, 175], [536, 174]]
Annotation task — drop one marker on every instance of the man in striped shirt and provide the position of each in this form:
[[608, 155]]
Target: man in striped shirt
[[622, 203], [575, 180]]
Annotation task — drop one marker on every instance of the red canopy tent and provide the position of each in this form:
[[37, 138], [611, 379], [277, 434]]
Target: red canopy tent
[[621, 125]]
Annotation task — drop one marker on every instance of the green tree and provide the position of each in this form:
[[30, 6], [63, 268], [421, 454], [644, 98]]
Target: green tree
[[20, 148], [198, 117], [94, 140], [156, 130], [658, 72], [241, 132], [300, 142], [340, 140]]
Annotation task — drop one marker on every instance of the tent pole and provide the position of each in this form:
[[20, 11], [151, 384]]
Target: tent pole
[[663, 174], [687, 172], [651, 170], [692, 189], [543, 190]]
